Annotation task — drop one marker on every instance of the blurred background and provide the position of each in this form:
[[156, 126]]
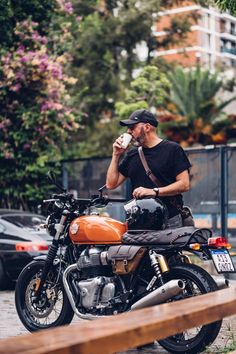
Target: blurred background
[[70, 70]]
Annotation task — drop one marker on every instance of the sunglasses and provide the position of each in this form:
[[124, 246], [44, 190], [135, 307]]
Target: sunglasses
[[132, 126]]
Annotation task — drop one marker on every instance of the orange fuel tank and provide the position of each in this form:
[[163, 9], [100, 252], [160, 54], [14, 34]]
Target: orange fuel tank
[[94, 229]]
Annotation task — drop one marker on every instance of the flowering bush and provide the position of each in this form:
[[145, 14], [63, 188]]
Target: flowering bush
[[36, 116]]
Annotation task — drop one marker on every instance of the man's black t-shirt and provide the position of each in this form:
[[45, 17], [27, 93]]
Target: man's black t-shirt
[[166, 160]]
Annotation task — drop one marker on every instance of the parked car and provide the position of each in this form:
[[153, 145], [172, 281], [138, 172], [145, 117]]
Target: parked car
[[20, 241]]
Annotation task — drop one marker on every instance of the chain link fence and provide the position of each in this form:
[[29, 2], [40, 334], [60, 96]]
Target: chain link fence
[[212, 197]]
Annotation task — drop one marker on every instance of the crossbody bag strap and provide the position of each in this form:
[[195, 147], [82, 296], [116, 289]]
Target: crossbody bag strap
[[154, 179], [147, 169]]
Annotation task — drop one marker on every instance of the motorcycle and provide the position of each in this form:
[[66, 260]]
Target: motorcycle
[[97, 267]]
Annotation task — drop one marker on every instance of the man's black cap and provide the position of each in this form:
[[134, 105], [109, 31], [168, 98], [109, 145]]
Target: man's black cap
[[140, 116]]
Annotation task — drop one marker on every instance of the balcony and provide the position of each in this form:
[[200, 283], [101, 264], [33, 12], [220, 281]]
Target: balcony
[[228, 50]]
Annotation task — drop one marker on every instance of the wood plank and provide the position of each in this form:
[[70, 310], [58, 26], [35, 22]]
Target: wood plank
[[127, 330]]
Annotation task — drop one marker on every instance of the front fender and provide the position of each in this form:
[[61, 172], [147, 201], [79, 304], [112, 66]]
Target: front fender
[[43, 257]]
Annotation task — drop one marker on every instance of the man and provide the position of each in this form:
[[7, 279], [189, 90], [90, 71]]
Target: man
[[167, 161]]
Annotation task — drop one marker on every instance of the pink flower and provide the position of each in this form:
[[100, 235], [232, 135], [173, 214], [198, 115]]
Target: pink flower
[[44, 40], [54, 95], [25, 59], [5, 123], [6, 59], [19, 76], [26, 146], [68, 8], [21, 50], [36, 36], [42, 66], [16, 87], [56, 72], [45, 106]]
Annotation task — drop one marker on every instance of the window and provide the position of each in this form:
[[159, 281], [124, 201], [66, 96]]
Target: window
[[29, 221], [232, 29]]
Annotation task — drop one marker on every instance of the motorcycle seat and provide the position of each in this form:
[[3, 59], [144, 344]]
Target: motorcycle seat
[[177, 236]]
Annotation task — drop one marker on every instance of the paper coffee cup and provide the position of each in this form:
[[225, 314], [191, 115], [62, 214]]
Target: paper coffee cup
[[126, 137]]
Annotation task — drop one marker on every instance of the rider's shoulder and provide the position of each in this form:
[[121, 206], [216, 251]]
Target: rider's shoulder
[[171, 144]]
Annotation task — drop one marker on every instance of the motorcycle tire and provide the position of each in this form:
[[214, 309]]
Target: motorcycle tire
[[197, 281], [51, 309]]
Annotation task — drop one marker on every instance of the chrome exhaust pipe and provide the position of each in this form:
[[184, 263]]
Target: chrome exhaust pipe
[[163, 293], [222, 283]]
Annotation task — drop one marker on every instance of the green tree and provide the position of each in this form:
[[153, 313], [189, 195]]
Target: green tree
[[13, 11], [197, 114], [36, 117], [227, 5], [150, 90], [106, 56]]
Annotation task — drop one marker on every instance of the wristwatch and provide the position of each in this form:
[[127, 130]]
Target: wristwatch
[[156, 190]]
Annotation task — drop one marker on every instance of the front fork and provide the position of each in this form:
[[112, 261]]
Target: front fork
[[51, 253]]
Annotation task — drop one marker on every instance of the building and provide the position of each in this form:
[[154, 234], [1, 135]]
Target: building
[[212, 40]]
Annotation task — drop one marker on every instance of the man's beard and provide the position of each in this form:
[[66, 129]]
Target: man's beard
[[140, 140]]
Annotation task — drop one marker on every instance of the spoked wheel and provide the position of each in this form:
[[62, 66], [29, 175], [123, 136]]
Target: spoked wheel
[[50, 308], [197, 281]]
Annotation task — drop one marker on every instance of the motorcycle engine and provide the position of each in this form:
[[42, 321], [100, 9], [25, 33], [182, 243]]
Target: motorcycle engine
[[97, 286], [96, 292]]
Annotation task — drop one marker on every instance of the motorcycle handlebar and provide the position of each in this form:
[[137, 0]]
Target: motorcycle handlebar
[[104, 200], [85, 201]]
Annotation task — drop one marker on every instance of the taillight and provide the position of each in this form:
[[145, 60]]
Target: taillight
[[218, 242], [31, 247]]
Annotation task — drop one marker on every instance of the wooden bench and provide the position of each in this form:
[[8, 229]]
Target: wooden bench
[[126, 330]]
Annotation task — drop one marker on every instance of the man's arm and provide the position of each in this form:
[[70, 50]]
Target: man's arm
[[114, 177], [181, 185]]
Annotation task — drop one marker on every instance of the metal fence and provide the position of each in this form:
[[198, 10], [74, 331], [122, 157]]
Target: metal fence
[[213, 186]]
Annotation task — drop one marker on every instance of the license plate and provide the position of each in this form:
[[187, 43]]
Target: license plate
[[222, 261]]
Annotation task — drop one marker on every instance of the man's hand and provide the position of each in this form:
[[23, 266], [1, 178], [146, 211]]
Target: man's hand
[[117, 147], [141, 192]]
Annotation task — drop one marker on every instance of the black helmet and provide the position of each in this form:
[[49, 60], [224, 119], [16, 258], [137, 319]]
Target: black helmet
[[146, 214]]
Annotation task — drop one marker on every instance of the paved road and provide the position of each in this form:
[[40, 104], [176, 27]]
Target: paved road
[[11, 326]]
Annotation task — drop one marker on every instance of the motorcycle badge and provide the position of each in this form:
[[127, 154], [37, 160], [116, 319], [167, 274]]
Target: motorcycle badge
[[74, 228]]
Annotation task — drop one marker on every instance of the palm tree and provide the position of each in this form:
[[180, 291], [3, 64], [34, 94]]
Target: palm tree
[[194, 110], [227, 5]]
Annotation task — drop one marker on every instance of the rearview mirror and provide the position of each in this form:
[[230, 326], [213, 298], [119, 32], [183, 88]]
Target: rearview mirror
[[52, 178]]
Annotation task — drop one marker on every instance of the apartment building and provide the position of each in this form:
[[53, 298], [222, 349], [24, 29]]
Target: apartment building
[[212, 40]]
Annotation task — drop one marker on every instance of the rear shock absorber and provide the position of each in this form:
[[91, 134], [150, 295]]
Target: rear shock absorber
[[159, 265]]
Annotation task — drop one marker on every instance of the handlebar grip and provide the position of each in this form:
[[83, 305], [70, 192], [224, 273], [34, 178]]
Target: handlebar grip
[[50, 200]]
